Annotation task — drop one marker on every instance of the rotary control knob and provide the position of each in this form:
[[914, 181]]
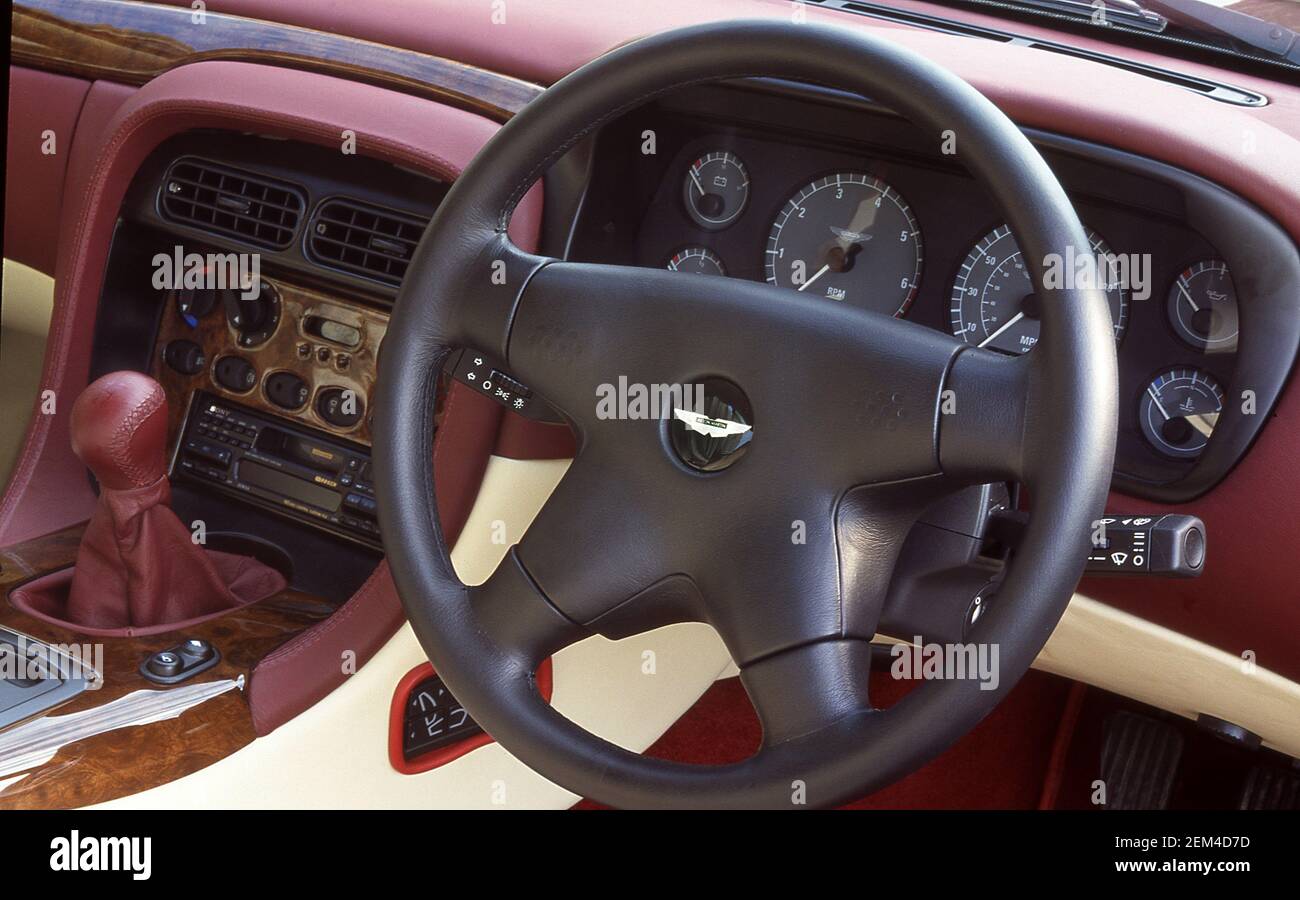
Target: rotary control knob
[[253, 315], [185, 357], [235, 374], [341, 407]]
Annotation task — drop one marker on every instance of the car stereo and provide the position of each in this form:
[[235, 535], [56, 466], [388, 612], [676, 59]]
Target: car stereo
[[292, 470]]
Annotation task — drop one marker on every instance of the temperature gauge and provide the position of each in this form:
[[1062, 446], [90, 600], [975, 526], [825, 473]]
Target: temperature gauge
[[716, 190], [1178, 412], [697, 261], [1203, 307]]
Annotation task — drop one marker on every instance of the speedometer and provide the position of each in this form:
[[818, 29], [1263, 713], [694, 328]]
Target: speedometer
[[994, 304], [848, 237]]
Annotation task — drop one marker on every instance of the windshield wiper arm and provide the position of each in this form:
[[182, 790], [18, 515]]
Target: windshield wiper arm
[[1272, 39]]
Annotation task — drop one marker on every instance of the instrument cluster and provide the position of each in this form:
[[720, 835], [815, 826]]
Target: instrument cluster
[[903, 238]]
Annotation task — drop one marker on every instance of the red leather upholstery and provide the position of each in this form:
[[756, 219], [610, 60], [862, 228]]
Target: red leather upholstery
[[41, 105], [119, 430], [138, 567]]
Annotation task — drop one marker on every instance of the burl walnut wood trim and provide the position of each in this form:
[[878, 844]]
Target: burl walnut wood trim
[[134, 759], [282, 352], [134, 42]]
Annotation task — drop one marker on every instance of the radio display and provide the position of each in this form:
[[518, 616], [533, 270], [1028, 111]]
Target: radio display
[[268, 479]]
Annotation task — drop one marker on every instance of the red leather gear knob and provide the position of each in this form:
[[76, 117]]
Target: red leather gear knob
[[119, 430]]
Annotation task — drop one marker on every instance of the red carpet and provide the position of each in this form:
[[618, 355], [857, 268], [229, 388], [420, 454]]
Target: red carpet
[[1002, 764]]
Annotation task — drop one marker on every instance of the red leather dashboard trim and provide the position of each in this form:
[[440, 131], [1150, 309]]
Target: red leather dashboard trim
[[440, 757]]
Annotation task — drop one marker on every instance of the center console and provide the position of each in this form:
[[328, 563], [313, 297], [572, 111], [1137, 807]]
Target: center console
[[253, 280], [290, 470]]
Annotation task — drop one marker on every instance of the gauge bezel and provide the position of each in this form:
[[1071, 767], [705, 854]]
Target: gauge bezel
[[1225, 345], [699, 218], [707, 252], [1120, 327], [1164, 449], [806, 187]]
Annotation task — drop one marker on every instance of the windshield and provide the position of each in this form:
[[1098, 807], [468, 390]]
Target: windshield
[[1262, 31]]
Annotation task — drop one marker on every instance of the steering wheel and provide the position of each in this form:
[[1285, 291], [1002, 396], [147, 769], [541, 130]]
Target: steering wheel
[[857, 422]]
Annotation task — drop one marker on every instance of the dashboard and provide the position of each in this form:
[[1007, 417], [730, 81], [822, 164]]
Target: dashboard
[[271, 381], [853, 206]]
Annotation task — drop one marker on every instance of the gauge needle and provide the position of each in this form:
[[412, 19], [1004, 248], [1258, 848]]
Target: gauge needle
[[820, 272], [695, 178], [1203, 422], [1195, 308], [1156, 400], [1013, 320]]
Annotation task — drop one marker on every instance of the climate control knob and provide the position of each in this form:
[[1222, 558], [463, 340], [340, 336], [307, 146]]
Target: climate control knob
[[341, 407], [253, 317], [235, 374], [185, 357]]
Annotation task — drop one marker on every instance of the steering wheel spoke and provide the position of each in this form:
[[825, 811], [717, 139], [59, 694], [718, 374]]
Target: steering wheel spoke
[[806, 689], [986, 416], [516, 612]]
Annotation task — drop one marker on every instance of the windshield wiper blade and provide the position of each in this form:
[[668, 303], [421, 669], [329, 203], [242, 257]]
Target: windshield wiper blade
[[1270, 38], [1195, 16], [1103, 12]]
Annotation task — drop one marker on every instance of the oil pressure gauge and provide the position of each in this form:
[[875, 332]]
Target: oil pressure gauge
[[1178, 412], [1203, 307], [716, 190]]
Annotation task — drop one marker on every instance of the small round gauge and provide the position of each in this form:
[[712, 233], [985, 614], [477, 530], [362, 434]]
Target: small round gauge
[[716, 190], [848, 237], [697, 261], [994, 304], [1203, 307], [1178, 412]]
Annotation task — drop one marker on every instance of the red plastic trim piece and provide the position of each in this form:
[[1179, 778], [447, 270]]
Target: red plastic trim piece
[[442, 755]]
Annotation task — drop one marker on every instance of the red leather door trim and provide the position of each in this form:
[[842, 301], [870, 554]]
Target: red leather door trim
[[38, 102]]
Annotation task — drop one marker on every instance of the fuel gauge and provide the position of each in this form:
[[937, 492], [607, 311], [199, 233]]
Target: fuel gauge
[[697, 261], [1178, 412]]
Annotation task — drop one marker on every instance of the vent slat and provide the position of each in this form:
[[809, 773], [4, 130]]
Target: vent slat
[[239, 204], [364, 239]]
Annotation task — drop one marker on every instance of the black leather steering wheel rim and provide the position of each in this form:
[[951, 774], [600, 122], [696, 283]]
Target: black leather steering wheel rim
[[1047, 419]]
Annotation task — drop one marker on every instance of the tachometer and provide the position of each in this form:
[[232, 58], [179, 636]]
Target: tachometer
[[994, 304], [848, 237], [1178, 412]]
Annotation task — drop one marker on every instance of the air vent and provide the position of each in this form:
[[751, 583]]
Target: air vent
[[364, 239], [231, 202]]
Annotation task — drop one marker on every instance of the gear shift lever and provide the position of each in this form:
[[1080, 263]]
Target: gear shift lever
[[137, 567], [119, 430]]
